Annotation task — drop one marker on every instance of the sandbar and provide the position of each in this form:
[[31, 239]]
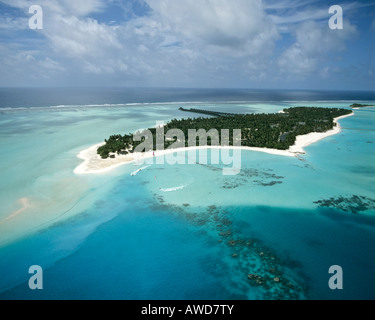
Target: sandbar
[[359, 108], [24, 202]]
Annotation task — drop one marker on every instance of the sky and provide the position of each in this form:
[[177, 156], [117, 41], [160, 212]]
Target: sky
[[260, 44]]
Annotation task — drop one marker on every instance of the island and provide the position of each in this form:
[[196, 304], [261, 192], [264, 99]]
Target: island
[[359, 105], [284, 133], [207, 112], [274, 131]]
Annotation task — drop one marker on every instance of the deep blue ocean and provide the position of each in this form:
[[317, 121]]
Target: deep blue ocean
[[181, 231], [47, 97]]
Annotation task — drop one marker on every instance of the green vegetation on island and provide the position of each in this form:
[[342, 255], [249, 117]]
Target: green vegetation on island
[[359, 105], [275, 131], [207, 112]]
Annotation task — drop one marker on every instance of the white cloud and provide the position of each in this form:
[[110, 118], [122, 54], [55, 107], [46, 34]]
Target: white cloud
[[327, 72], [301, 16], [178, 42], [177, 37], [13, 24], [50, 65], [296, 11], [64, 7], [71, 38], [232, 27], [287, 4], [313, 44], [80, 38], [82, 8]]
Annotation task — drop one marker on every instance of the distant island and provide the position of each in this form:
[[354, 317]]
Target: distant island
[[272, 131], [359, 105], [208, 112]]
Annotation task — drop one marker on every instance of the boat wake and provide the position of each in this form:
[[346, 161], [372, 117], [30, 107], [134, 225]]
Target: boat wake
[[137, 171]]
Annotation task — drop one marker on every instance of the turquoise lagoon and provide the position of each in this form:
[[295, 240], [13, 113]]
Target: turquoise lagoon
[[183, 231]]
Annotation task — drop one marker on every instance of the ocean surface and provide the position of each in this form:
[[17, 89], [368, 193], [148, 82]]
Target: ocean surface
[[181, 231]]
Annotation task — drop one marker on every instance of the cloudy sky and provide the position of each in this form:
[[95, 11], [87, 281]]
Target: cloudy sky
[[284, 44]]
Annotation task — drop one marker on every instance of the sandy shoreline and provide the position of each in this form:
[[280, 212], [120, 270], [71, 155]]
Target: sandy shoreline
[[359, 108], [93, 164]]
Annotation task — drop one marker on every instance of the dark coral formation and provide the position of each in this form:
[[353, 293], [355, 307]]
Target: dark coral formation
[[256, 177], [354, 204], [252, 263], [259, 265]]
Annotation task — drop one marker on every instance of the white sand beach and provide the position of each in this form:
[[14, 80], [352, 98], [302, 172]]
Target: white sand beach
[[94, 164], [308, 139], [359, 108]]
